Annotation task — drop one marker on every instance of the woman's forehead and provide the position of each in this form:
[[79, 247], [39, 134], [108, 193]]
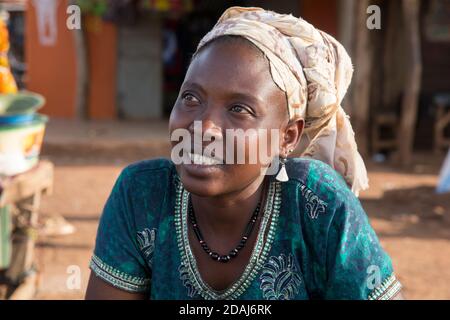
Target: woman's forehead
[[234, 68]]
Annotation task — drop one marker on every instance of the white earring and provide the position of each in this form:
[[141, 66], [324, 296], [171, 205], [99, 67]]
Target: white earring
[[282, 174]]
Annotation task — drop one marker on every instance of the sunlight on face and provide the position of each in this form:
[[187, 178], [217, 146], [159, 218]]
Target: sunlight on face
[[227, 86]]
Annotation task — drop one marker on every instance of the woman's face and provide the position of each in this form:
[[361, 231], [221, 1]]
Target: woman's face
[[229, 86]]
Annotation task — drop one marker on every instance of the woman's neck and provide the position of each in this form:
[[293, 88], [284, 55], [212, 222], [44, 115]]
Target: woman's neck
[[227, 214]]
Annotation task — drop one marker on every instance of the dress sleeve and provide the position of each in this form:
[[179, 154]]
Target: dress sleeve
[[117, 258], [357, 266]]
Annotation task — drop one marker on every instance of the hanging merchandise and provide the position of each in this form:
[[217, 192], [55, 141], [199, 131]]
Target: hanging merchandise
[[7, 82], [46, 14], [115, 11], [94, 7], [169, 5]]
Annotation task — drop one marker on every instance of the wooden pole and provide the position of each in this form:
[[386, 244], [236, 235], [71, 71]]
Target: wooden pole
[[413, 73], [346, 38], [82, 71], [346, 23], [361, 88]]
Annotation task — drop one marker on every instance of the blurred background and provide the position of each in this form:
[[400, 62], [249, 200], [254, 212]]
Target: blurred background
[[109, 88]]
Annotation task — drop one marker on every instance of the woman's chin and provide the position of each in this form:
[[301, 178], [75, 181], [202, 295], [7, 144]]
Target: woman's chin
[[202, 180]]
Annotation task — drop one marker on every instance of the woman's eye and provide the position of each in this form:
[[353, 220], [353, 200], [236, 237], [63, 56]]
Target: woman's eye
[[239, 109], [190, 98]]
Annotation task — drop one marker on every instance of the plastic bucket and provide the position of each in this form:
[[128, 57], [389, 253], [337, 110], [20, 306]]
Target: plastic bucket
[[16, 119], [20, 144]]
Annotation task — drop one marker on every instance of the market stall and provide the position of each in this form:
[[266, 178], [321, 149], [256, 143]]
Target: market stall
[[23, 179]]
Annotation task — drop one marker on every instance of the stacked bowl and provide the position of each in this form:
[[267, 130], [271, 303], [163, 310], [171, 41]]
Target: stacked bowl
[[21, 131]]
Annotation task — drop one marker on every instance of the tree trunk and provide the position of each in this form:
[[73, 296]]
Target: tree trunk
[[361, 88], [346, 38], [412, 80], [82, 71]]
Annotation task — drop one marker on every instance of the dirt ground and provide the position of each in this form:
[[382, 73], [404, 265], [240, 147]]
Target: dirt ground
[[412, 222]]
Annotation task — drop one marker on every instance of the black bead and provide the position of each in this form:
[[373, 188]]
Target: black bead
[[233, 253], [198, 234], [248, 229], [214, 255]]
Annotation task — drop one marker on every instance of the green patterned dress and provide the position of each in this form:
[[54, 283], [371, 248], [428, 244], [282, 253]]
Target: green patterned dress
[[314, 241]]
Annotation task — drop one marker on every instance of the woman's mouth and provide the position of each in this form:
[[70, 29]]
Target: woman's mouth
[[200, 165], [202, 160]]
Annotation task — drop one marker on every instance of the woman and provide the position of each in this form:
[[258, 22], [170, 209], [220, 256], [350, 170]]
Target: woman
[[234, 231]]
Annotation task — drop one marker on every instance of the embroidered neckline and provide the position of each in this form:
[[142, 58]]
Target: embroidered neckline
[[257, 258]]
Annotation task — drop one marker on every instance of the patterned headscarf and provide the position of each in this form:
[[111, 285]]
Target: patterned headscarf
[[314, 71]]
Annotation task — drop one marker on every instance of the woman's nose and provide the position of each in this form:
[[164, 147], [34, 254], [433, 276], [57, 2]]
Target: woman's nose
[[208, 124], [212, 129]]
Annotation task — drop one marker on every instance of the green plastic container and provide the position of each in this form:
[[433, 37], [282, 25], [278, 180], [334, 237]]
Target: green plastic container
[[5, 237]]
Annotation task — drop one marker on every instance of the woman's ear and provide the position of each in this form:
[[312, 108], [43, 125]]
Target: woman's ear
[[292, 135]]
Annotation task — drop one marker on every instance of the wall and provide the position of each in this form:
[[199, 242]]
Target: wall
[[101, 40], [51, 69], [139, 81], [323, 14]]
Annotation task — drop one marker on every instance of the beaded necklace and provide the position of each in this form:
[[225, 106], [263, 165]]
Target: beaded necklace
[[233, 253], [188, 269]]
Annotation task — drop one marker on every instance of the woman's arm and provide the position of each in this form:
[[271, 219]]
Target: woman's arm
[[399, 296], [119, 270], [100, 290]]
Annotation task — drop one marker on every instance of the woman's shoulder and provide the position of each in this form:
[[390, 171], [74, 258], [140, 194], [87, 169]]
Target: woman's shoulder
[[317, 177], [149, 165], [152, 177], [145, 188], [148, 170]]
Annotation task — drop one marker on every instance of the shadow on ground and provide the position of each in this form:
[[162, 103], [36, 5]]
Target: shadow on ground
[[413, 212]]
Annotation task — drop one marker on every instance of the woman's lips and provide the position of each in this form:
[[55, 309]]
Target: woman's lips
[[203, 160], [200, 165]]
